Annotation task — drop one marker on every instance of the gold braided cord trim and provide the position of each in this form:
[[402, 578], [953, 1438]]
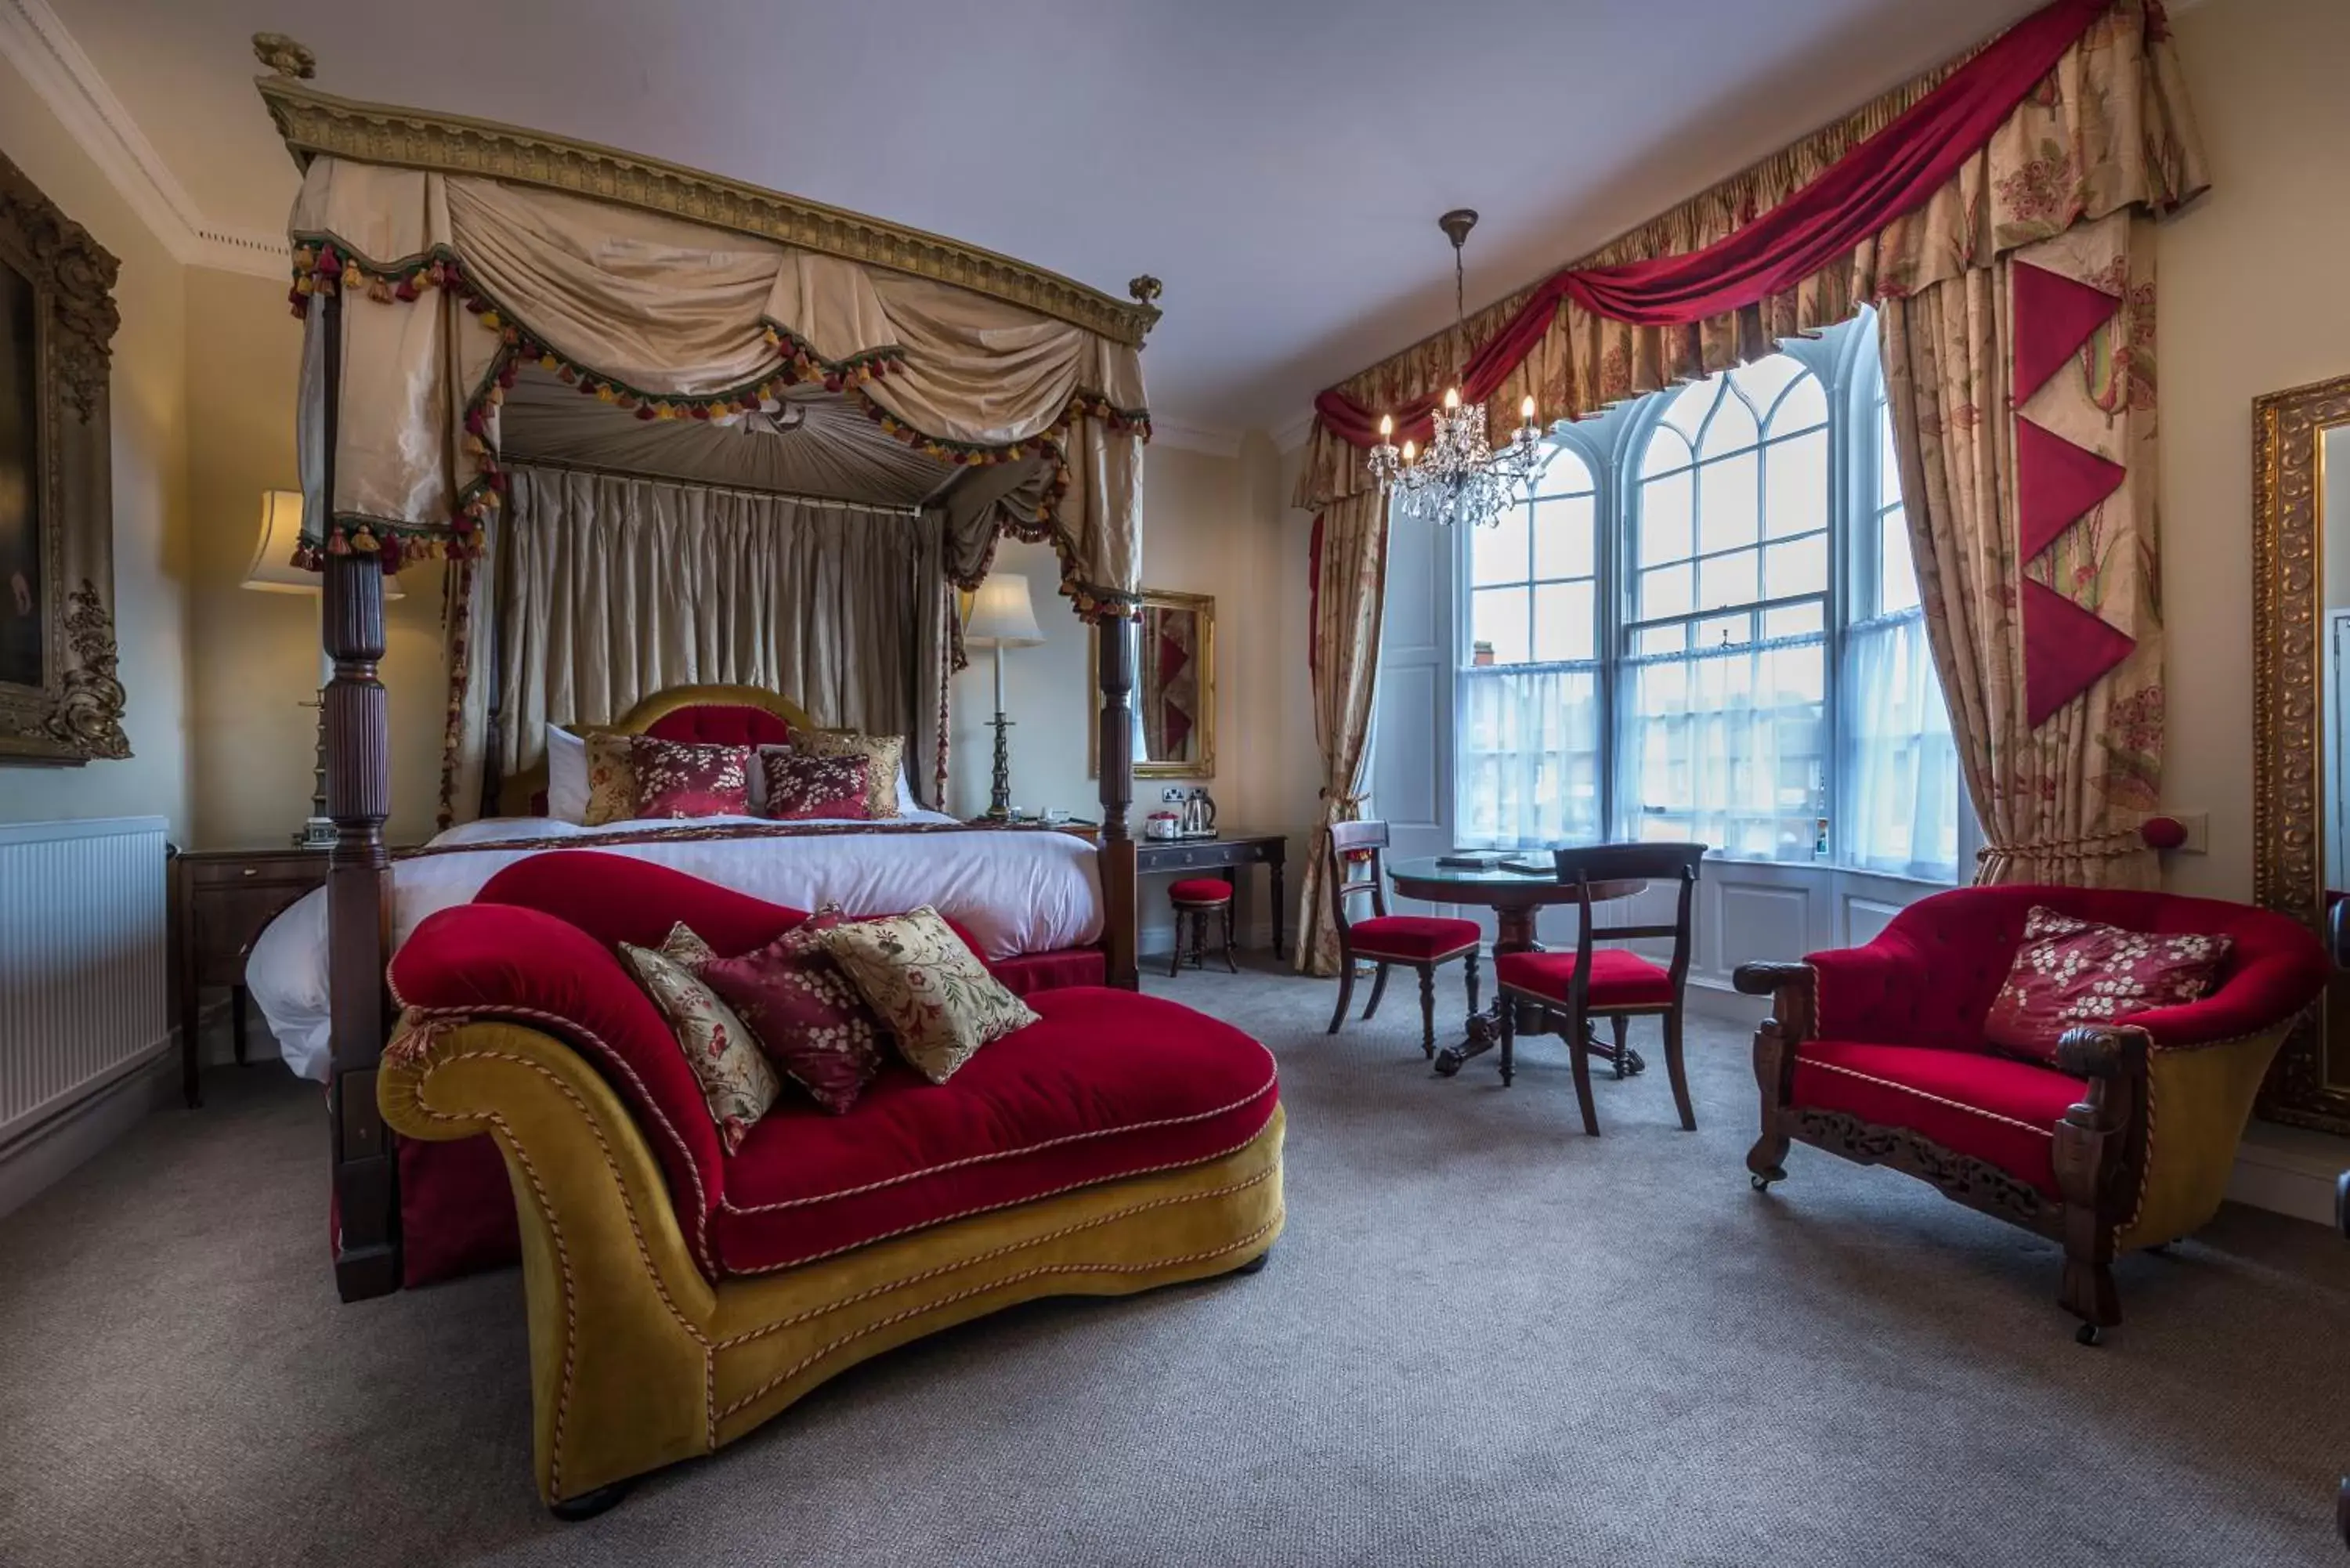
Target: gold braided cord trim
[[1112, 1217], [2111, 846], [2046, 1132], [1269, 1228]]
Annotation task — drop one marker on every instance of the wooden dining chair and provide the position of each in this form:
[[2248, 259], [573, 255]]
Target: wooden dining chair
[[1571, 989], [1421, 942]]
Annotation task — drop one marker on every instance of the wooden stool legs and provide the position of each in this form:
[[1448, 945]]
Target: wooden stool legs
[[1195, 916]]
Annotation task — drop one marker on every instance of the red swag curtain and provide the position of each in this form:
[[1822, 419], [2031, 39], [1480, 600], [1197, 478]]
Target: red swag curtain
[[1890, 174]]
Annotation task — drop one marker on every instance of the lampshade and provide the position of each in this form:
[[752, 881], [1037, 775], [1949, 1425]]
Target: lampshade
[[273, 569], [1001, 614]]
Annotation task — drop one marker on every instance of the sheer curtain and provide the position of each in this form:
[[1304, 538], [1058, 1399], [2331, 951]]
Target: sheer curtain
[[609, 589], [1727, 746], [1900, 808], [1527, 756]]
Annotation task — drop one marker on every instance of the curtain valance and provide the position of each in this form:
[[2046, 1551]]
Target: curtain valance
[[2076, 113], [451, 283]]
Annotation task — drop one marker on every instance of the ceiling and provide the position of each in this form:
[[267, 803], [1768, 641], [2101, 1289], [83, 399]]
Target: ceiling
[[1278, 163]]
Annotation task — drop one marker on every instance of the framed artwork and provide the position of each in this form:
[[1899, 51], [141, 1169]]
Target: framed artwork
[[60, 701]]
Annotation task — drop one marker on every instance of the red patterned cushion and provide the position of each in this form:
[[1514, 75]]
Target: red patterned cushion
[[1200, 890], [807, 1017], [1416, 938], [679, 778], [1105, 1084], [801, 787], [1618, 979], [2000, 1112], [2069, 971]]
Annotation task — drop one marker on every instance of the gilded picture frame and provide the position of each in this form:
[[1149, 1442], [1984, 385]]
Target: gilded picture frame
[[1202, 761], [61, 698], [2310, 1084]]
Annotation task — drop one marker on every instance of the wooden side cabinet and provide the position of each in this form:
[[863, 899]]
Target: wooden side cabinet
[[223, 899]]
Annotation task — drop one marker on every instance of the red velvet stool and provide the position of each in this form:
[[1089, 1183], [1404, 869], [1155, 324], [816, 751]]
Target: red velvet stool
[[1196, 900]]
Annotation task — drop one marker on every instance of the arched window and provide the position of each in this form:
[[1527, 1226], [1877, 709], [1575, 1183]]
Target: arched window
[[1701, 623]]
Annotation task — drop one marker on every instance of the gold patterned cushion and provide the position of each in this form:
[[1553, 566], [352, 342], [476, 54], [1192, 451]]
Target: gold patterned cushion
[[885, 757], [611, 780], [737, 1083], [929, 987]]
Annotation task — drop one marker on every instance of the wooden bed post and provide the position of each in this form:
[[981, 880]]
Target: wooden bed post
[[1119, 916], [359, 797]]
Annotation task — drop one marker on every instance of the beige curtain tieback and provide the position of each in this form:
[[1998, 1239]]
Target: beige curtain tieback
[[2094, 847]]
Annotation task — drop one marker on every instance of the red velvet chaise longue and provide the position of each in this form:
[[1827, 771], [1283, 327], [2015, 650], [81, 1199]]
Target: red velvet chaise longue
[[679, 1295]]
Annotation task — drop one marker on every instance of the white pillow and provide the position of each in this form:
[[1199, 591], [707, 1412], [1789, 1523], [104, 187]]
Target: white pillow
[[567, 775]]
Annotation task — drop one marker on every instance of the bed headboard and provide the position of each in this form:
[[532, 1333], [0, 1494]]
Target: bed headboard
[[714, 714]]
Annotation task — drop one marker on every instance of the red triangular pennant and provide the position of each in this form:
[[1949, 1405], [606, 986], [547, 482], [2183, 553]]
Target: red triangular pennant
[[2056, 483], [2065, 650], [2055, 315]]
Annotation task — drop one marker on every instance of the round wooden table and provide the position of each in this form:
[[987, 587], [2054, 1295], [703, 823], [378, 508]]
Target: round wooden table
[[1515, 897]]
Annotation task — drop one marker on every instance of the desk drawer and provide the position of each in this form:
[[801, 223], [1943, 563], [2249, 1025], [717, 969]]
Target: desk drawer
[[223, 924]]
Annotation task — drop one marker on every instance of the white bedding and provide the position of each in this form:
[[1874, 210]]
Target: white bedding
[[1016, 892]]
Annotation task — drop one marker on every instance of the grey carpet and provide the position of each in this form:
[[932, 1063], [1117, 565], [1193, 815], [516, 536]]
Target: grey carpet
[[1485, 1339]]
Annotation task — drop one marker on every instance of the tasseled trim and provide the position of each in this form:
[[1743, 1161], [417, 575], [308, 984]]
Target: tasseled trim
[[418, 1031]]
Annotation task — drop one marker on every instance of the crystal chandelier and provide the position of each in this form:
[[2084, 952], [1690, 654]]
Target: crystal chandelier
[[1459, 479]]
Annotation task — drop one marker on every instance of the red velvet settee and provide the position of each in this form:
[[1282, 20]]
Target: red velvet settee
[[457, 1216], [1877, 1053], [679, 1295]]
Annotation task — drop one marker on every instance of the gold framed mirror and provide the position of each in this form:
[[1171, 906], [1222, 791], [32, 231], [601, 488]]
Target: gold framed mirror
[[1174, 687], [2300, 714]]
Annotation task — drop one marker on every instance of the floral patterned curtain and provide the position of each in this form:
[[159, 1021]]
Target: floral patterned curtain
[[2105, 136], [1350, 583]]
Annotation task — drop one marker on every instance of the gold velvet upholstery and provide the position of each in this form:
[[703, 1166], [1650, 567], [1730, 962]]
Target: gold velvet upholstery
[[638, 1360]]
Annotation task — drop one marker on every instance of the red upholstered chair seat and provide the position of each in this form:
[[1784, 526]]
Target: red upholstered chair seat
[[1107, 1083], [1201, 891], [1999, 1111], [1618, 979], [1412, 938]]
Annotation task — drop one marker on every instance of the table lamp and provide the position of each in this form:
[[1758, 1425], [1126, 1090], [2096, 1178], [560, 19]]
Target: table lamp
[[1000, 616], [274, 571]]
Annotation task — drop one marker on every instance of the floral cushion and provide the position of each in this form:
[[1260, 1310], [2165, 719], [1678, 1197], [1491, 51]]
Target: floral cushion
[[611, 780], [807, 1017], [929, 987], [681, 778], [885, 757], [737, 1085], [2070, 972], [803, 787]]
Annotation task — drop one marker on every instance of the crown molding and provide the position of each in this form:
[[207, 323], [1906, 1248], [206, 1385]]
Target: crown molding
[[1288, 436], [36, 43], [1209, 439]]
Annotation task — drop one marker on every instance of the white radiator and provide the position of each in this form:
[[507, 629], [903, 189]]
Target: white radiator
[[83, 952]]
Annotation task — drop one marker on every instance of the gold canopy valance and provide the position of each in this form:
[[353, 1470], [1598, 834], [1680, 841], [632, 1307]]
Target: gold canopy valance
[[463, 252]]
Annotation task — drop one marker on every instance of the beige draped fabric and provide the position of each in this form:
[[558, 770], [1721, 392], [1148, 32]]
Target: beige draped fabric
[[1350, 580], [610, 588], [2107, 138], [2108, 131], [2060, 803], [449, 281]]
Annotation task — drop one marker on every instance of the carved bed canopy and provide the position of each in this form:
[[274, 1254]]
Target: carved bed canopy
[[474, 294]]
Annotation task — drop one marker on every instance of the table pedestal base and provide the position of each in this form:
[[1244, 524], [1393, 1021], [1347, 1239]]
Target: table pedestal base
[[1485, 1034]]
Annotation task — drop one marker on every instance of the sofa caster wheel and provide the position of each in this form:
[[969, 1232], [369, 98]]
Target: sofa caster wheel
[[1255, 1265], [2088, 1334], [588, 1504], [1760, 1180]]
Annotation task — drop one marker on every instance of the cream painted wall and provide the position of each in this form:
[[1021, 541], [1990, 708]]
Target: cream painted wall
[[2250, 302], [256, 654], [1210, 525], [151, 511]]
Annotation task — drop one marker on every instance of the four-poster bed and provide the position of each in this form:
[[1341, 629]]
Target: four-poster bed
[[455, 276]]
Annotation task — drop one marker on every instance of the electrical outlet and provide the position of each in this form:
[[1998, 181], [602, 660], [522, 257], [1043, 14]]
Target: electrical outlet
[[2198, 825]]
